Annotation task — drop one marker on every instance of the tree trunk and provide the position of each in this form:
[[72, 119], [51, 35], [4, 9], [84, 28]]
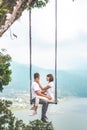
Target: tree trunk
[[14, 15]]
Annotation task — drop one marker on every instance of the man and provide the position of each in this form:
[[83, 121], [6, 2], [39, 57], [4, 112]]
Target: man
[[36, 91]]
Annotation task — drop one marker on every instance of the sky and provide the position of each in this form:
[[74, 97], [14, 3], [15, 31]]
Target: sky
[[72, 36]]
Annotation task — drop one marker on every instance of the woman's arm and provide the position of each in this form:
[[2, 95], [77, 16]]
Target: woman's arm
[[46, 88], [40, 86]]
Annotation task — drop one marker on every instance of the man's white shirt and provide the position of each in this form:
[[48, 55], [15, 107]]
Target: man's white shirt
[[35, 87]]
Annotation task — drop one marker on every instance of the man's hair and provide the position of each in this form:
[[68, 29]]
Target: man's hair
[[36, 75], [50, 77]]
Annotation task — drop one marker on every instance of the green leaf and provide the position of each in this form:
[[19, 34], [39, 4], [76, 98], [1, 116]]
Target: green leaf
[[5, 10], [0, 2]]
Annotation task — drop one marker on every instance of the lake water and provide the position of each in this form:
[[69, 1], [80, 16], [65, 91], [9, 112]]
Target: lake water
[[70, 114]]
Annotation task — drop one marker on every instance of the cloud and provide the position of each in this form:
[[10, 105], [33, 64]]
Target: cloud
[[73, 53], [72, 30], [71, 18], [18, 47], [43, 26]]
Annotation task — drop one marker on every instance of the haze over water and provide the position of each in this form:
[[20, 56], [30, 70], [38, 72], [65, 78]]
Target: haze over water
[[70, 114]]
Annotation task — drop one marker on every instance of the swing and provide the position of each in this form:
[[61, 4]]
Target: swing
[[30, 49]]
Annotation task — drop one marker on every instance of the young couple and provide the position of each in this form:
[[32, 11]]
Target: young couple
[[42, 95]]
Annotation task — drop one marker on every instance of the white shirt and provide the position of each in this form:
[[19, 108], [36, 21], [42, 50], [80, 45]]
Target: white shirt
[[35, 87], [50, 91]]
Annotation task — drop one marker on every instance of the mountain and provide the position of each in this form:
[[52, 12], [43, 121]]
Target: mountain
[[70, 82], [21, 76], [73, 82]]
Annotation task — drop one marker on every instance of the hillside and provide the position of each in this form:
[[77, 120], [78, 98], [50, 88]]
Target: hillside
[[70, 83]]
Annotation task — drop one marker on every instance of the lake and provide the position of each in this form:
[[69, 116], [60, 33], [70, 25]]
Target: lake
[[68, 114]]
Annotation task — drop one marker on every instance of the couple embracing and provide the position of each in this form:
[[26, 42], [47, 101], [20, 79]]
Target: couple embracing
[[42, 95]]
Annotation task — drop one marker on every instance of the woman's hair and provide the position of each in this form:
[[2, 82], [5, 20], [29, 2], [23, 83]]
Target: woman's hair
[[36, 75], [50, 77]]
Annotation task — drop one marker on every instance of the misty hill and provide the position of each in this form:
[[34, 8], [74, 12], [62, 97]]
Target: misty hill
[[71, 82], [21, 76]]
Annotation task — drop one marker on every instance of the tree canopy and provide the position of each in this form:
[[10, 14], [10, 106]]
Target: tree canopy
[[5, 72], [11, 10], [9, 122]]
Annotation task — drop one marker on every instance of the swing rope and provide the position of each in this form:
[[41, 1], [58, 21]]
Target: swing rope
[[30, 48], [30, 53], [55, 51]]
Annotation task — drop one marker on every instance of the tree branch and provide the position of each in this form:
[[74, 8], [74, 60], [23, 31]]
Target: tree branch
[[11, 17]]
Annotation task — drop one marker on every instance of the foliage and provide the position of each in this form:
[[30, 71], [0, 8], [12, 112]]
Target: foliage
[[38, 3], [9, 122], [7, 119], [7, 6], [5, 72], [38, 125]]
